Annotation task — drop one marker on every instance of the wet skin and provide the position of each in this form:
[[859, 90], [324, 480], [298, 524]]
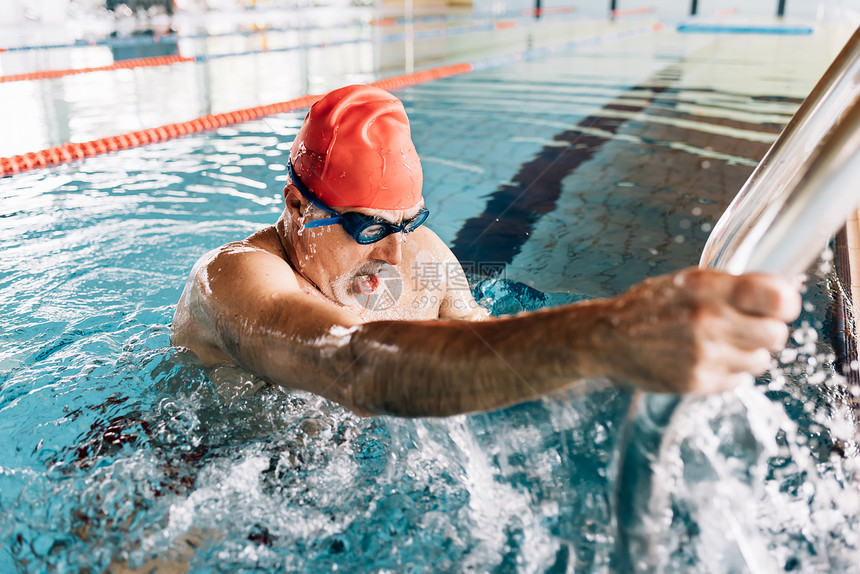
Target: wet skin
[[302, 308]]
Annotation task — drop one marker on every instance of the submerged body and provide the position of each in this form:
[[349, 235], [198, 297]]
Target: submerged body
[[419, 279], [371, 310]]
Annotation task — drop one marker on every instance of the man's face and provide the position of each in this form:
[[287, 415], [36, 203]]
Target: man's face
[[340, 267]]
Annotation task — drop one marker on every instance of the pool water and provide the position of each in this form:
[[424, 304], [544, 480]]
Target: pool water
[[121, 453]]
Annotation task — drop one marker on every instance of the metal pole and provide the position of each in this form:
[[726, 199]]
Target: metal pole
[[791, 233], [822, 107], [780, 10], [613, 5], [694, 7]]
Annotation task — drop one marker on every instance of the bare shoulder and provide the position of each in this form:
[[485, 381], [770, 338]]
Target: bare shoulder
[[425, 239], [244, 304], [424, 249], [245, 267], [254, 265], [230, 279], [435, 267]]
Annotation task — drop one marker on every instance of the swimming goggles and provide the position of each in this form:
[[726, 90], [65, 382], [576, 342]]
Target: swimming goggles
[[365, 229]]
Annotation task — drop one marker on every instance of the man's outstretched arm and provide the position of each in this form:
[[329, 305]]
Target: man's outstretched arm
[[695, 331]]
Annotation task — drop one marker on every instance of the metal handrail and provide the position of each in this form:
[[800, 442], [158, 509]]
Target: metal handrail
[[799, 195], [790, 234], [804, 141]]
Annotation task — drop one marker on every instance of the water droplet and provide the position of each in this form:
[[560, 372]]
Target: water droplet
[[804, 335]]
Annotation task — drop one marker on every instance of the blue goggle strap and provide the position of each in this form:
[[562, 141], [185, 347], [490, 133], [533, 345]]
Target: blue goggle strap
[[323, 222], [315, 201]]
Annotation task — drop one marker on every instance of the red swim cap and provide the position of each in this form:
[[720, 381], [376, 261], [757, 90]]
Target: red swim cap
[[355, 150]]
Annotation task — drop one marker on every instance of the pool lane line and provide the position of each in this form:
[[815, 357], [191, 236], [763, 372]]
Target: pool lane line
[[433, 18], [141, 62], [515, 207], [118, 65], [725, 12], [163, 61], [512, 211], [169, 38], [535, 12], [630, 12], [172, 37], [70, 152], [739, 29]]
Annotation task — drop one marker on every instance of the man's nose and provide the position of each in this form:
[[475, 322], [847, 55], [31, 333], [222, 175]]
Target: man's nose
[[389, 249]]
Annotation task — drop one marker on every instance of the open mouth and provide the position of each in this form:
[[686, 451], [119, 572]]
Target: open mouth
[[366, 284]]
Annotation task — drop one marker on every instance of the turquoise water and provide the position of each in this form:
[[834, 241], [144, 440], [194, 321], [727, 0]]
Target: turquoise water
[[119, 451]]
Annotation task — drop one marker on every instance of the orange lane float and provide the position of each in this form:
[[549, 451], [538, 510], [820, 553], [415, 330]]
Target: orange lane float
[[76, 151], [630, 12], [120, 65]]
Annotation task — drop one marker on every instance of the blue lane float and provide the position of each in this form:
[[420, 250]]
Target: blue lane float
[[729, 29]]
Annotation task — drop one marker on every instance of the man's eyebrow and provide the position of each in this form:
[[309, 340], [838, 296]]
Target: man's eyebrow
[[417, 209], [404, 217]]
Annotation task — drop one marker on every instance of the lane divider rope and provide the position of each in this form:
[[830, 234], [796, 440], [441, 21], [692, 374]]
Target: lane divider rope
[[77, 151], [70, 152], [630, 12], [172, 37], [118, 65], [744, 29], [169, 60]]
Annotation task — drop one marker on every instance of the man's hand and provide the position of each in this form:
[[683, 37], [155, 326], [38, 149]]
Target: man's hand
[[698, 331]]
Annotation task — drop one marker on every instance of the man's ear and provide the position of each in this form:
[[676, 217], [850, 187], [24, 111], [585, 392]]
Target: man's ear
[[294, 202]]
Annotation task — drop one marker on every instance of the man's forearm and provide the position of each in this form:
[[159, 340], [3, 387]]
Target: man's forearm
[[694, 331], [442, 368]]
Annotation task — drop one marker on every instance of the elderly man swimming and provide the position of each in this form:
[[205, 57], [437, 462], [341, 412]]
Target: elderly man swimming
[[349, 296]]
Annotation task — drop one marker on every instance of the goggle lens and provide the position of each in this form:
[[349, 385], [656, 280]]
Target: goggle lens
[[367, 229]]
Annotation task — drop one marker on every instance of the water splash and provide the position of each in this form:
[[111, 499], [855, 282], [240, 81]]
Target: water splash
[[760, 480]]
